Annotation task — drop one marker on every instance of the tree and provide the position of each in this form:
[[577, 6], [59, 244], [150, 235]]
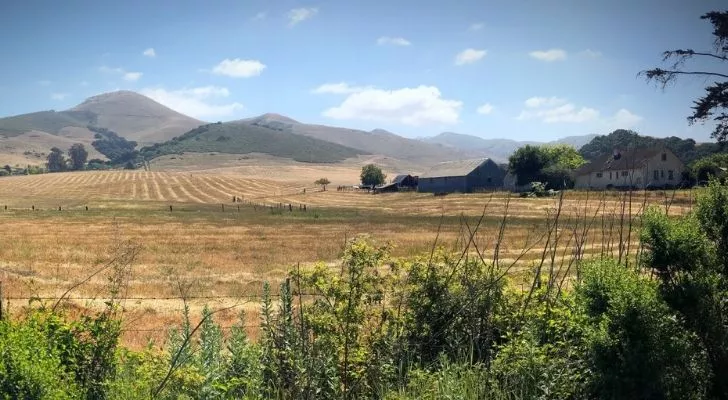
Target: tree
[[78, 155], [563, 156], [323, 182], [372, 175], [715, 102], [527, 162], [56, 160], [711, 166]]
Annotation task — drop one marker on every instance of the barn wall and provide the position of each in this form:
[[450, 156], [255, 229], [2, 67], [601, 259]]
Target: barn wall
[[487, 176], [443, 184]]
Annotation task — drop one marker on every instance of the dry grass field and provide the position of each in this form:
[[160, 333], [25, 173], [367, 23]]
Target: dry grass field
[[211, 256]]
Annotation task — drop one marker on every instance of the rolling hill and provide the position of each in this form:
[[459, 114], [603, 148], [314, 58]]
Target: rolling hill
[[377, 141], [25, 138], [135, 117], [242, 138], [497, 149]]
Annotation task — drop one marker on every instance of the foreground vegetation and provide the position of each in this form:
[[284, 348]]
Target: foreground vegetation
[[442, 325]]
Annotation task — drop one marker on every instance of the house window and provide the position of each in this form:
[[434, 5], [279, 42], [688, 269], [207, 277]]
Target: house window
[[610, 175], [490, 180], [599, 174], [625, 173], [664, 156], [670, 175], [662, 173], [656, 174]]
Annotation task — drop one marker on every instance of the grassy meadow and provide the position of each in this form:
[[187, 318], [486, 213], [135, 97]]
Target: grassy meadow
[[209, 250]]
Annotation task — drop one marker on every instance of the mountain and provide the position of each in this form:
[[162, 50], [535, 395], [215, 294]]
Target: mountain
[[26, 138], [135, 117], [242, 138], [497, 149], [377, 141]]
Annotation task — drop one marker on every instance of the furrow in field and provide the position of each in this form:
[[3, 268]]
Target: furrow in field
[[194, 188]]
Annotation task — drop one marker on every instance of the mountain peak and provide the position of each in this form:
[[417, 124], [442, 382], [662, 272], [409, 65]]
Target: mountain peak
[[136, 116], [115, 97], [277, 118]]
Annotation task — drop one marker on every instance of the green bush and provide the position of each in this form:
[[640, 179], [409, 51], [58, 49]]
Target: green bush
[[637, 346], [31, 365], [690, 256]]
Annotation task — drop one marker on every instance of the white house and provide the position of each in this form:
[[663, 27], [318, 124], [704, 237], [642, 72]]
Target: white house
[[640, 168]]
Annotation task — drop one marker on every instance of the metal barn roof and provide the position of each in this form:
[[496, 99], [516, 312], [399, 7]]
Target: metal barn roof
[[453, 168]]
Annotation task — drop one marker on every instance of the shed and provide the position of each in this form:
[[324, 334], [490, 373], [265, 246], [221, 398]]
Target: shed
[[463, 176], [405, 181]]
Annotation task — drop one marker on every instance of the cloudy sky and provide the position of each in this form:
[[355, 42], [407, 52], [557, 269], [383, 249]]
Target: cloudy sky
[[521, 69]]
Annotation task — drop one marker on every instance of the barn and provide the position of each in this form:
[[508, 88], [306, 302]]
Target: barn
[[463, 176], [405, 182]]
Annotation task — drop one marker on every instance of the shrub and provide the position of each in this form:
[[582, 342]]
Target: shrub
[[31, 365], [636, 346]]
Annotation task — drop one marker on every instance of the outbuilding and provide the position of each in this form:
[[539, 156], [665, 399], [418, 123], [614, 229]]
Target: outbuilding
[[463, 176]]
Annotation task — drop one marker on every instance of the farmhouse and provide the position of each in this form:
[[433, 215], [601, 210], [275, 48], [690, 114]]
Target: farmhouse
[[462, 176], [639, 168]]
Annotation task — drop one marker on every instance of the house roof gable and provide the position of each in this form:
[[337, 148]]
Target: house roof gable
[[630, 159]]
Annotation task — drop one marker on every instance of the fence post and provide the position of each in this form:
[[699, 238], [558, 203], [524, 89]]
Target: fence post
[[223, 207], [170, 208]]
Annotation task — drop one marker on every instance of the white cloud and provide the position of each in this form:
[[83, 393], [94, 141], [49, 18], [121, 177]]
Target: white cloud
[[339, 88], [468, 56], [554, 109], [297, 15], [591, 53], [394, 41], [132, 76], [551, 110], [110, 70], [476, 26], [150, 53], [624, 119], [45, 82], [59, 96], [260, 16], [128, 76], [196, 102], [535, 102], [485, 109], [549, 55], [416, 106], [237, 68]]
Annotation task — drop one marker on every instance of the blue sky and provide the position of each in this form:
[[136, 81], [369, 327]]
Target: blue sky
[[527, 70]]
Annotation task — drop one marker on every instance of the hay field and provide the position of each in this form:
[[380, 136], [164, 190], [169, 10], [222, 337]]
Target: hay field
[[222, 257]]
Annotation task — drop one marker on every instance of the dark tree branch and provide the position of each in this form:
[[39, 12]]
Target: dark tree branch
[[666, 76], [684, 54]]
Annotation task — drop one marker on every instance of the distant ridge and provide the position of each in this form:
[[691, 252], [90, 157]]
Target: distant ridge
[[241, 138], [377, 141], [497, 149]]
